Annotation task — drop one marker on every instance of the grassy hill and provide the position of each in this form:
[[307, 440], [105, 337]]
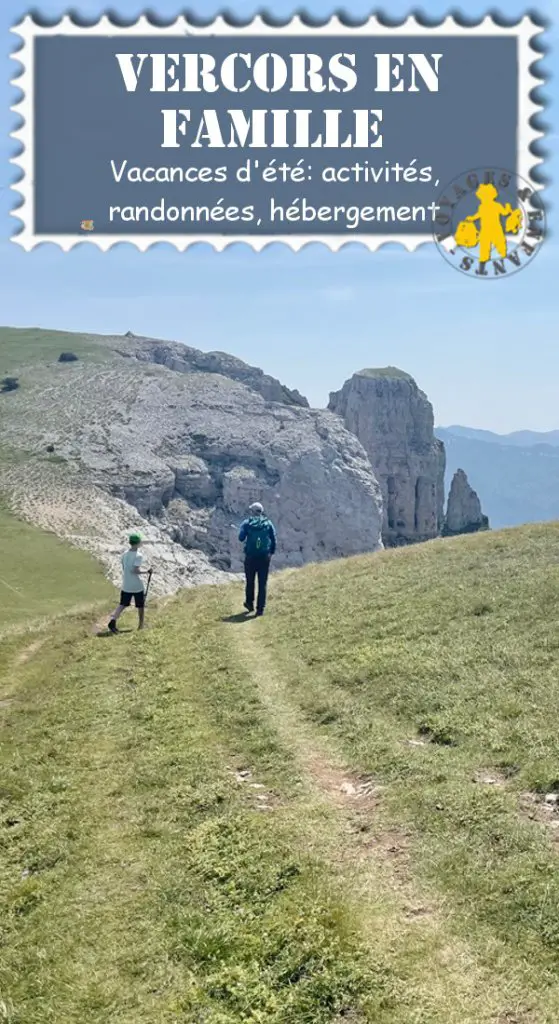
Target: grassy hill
[[40, 577], [23, 346], [334, 813]]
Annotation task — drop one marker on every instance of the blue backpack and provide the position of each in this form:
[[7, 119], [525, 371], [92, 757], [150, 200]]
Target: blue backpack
[[258, 540]]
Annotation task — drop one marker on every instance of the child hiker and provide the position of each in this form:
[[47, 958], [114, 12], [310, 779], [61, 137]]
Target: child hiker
[[132, 584]]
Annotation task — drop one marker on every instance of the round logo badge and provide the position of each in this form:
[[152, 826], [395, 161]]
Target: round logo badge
[[489, 223]]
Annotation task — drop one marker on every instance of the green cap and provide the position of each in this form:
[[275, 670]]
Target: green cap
[[135, 538]]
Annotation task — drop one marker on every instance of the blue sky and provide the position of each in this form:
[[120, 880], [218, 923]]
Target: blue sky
[[485, 353]]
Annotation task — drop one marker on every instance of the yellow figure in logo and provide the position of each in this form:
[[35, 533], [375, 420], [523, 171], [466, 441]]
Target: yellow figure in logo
[[489, 213], [466, 235], [87, 225], [514, 222]]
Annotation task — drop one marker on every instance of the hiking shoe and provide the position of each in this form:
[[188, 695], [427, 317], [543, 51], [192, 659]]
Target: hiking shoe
[[259, 613], [249, 607], [112, 626]]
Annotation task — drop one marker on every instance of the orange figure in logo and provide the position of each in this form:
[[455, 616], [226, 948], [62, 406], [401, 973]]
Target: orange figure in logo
[[87, 225], [489, 213]]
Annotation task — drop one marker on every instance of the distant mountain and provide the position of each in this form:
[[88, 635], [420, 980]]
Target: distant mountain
[[519, 438], [516, 484]]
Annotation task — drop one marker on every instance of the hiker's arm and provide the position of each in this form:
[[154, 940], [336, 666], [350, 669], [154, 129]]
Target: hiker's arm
[[243, 532], [273, 539], [474, 216]]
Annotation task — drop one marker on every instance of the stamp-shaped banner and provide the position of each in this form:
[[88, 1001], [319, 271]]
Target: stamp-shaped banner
[[259, 133]]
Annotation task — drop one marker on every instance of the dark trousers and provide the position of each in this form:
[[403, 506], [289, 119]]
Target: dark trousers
[[256, 565]]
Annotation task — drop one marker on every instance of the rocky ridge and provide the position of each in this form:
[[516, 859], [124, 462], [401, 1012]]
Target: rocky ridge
[[157, 436], [129, 438], [184, 359]]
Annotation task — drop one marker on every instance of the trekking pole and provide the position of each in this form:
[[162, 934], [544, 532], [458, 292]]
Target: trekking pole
[[150, 574], [13, 589]]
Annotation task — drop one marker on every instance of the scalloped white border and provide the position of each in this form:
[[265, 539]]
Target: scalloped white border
[[524, 30]]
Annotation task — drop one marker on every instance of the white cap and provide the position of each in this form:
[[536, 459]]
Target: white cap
[[256, 507]]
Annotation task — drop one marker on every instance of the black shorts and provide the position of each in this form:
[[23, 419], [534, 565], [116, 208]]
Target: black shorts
[[126, 599]]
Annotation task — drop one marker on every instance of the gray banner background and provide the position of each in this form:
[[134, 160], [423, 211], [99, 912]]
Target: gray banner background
[[84, 117]]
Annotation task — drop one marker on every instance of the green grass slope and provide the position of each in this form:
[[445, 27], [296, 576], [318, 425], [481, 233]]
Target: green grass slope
[[329, 814], [24, 346], [40, 577]]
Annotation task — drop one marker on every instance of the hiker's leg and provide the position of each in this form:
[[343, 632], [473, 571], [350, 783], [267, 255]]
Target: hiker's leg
[[263, 571], [140, 605], [123, 604], [250, 574]]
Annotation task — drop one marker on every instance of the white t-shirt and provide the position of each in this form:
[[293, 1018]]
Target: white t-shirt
[[131, 583]]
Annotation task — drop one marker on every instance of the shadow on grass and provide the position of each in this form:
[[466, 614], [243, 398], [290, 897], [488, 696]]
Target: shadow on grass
[[241, 617], [106, 632]]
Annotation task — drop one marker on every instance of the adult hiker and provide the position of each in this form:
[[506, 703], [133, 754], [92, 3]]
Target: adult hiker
[[259, 537], [132, 584]]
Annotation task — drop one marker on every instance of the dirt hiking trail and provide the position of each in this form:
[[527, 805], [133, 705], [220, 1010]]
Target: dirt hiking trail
[[346, 829]]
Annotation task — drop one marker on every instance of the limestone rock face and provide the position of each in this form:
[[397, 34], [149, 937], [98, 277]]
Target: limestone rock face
[[393, 420], [199, 449], [184, 359], [180, 454], [463, 513]]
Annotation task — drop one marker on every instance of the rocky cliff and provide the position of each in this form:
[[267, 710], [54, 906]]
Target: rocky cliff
[[155, 436], [393, 420], [183, 359], [463, 513]]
